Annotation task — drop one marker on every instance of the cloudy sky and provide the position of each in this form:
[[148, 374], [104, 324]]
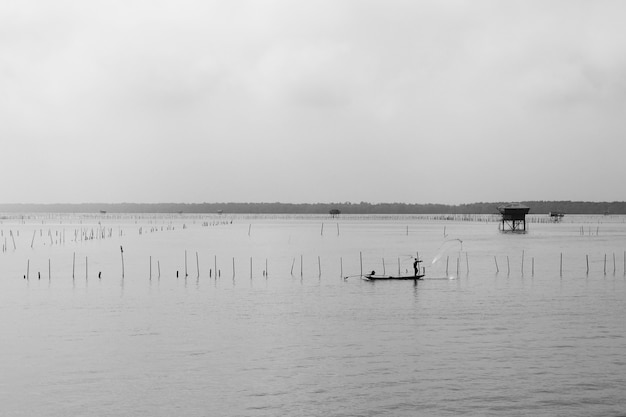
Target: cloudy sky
[[306, 101]]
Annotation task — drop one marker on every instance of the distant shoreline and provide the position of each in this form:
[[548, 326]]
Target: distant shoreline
[[536, 207]]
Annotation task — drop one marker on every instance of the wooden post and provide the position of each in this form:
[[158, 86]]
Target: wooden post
[[447, 260], [215, 264], [293, 262], [185, 264], [322, 231], [361, 262], [587, 257], [33, 240], [249, 228], [74, 264], [508, 265], [251, 267], [341, 266], [233, 268], [457, 266], [159, 268], [337, 229], [533, 267], [399, 272], [122, 253], [605, 264], [197, 265]]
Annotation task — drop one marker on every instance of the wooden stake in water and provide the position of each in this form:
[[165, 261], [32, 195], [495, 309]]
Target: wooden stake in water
[[533, 267], [266, 272], [122, 254], [251, 267], [322, 231], [215, 264], [197, 265], [293, 262], [185, 264], [605, 264], [361, 262], [319, 267], [233, 268], [74, 265], [159, 268], [337, 229], [447, 261], [587, 257], [466, 262], [341, 267]]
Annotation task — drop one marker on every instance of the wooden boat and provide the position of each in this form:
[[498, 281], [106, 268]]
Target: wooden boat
[[372, 277]]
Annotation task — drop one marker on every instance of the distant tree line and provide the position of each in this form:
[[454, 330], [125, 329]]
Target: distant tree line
[[536, 207]]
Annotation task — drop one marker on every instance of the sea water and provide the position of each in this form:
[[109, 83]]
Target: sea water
[[204, 315]]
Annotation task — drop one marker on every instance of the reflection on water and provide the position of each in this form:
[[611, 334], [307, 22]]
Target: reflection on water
[[479, 342]]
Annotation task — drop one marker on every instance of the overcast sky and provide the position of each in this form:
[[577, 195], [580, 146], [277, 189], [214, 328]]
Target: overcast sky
[[312, 101]]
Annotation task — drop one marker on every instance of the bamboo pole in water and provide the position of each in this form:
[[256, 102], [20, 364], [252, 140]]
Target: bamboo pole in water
[[508, 265], [587, 258], [496, 261], [185, 264], [122, 255], [197, 265], [605, 264]]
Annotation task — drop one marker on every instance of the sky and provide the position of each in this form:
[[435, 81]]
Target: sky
[[194, 101]]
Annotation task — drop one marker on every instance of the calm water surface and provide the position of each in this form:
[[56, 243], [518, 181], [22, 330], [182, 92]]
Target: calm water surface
[[536, 335]]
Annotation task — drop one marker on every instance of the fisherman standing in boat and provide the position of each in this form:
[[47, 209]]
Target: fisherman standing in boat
[[415, 267]]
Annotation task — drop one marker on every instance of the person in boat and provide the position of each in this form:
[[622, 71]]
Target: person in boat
[[415, 266]]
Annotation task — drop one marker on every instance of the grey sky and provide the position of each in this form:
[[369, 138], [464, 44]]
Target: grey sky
[[294, 101]]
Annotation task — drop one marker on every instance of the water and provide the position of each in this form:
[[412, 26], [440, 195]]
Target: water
[[535, 338]]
